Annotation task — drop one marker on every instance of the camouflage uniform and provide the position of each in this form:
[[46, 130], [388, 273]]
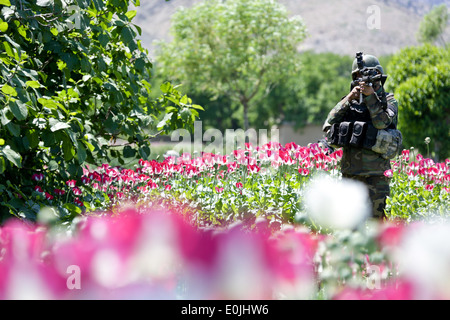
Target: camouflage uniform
[[362, 164]]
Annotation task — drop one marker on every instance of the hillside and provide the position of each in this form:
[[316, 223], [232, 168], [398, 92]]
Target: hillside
[[339, 26]]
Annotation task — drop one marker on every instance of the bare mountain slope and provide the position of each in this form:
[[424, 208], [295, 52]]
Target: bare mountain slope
[[341, 26]]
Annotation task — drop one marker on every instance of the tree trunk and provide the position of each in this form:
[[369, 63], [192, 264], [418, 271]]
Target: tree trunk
[[245, 105]]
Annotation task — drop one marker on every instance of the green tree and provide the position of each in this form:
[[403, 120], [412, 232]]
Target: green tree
[[421, 84], [233, 48], [433, 25], [307, 96], [73, 80]]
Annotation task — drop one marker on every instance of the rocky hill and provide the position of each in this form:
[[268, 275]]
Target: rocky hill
[[339, 26]]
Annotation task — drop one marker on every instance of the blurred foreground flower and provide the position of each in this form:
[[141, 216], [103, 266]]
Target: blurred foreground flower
[[337, 204], [424, 258], [153, 255]]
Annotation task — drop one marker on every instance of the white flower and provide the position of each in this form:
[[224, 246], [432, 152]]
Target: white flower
[[424, 258], [337, 204]]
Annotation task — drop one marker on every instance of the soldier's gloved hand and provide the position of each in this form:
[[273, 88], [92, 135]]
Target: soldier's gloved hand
[[366, 89], [354, 94]]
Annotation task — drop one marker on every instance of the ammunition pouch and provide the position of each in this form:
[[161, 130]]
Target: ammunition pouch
[[345, 133], [333, 135], [388, 143], [357, 134]]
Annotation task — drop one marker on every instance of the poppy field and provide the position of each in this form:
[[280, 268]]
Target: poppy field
[[267, 222]]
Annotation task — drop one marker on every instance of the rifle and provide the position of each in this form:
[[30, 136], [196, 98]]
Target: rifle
[[368, 75]]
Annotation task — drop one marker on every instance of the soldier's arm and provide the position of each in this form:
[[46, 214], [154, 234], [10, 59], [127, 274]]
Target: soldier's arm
[[381, 117], [337, 113]]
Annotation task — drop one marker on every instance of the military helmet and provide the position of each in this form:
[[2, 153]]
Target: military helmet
[[370, 62]]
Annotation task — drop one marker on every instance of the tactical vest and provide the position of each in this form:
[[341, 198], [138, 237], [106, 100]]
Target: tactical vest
[[356, 129]]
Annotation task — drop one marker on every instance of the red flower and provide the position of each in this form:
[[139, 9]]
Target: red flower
[[38, 189], [168, 187], [239, 185], [48, 196], [77, 191]]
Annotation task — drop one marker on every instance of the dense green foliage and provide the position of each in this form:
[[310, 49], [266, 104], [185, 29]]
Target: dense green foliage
[[419, 77], [73, 80]]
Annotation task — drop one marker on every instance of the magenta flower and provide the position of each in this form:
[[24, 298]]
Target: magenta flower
[[219, 189], [77, 191], [388, 173], [48, 196], [78, 202], [38, 188], [119, 195], [239, 185], [303, 171], [168, 187], [85, 179], [71, 183], [37, 176], [59, 192]]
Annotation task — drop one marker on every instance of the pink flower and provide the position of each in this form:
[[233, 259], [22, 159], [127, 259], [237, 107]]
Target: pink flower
[[59, 192], [389, 173], [48, 196], [77, 191], [38, 189], [303, 171], [253, 168], [239, 185], [429, 187], [85, 179], [119, 195], [71, 183], [167, 187], [405, 155], [78, 202], [37, 176], [219, 189]]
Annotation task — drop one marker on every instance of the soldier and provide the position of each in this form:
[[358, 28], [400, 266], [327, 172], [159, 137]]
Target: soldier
[[355, 124]]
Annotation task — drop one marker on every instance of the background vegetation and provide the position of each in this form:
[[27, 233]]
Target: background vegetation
[[77, 88]]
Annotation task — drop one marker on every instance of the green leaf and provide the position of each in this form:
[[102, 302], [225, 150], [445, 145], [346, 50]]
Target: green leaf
[[163, 122], [8, 90], [19, 109], [128, 152], [198, 107], [56, 125], [8, 49], [14, 157], [44, 3], [131, 14], [33, 84], [2, 165], [3, 26], [5, 3], [81, 152], [68, 149]]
